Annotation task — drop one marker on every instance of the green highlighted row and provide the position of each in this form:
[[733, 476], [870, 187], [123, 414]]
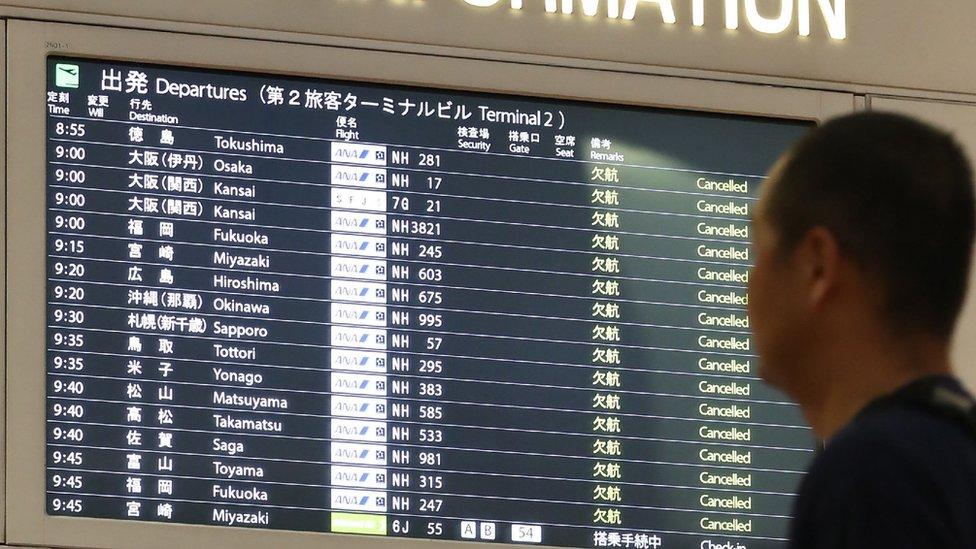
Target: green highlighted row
[[352, 523]]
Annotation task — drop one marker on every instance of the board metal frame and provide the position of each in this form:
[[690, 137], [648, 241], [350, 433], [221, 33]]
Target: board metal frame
[[29, 43]]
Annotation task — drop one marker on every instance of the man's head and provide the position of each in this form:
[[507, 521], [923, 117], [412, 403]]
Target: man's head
[[866, 225]]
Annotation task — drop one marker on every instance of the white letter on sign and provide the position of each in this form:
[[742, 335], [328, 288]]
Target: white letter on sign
[[667, 9], [731, 14], [770, 26], [590, 7], [836, 17]]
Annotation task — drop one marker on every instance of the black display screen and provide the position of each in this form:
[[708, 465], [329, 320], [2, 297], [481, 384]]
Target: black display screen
[[305, 304]]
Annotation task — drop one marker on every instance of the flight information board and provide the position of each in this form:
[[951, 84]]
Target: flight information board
[[314, 305]]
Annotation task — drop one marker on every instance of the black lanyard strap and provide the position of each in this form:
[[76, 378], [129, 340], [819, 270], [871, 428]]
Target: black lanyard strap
[[933, 394]]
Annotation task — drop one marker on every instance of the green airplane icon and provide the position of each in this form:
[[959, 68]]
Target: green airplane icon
[[66, 76]]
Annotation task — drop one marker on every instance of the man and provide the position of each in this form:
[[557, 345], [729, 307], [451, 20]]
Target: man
[[862, 243]]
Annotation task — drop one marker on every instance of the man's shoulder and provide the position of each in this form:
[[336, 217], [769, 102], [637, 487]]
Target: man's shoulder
[[900, 473], [900, 453], [904, 421], [906, 436]]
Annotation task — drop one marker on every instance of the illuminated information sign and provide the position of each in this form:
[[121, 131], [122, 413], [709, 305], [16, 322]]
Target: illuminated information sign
[[324, 306]]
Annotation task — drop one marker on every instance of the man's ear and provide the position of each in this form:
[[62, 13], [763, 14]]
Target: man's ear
[[818, 260]]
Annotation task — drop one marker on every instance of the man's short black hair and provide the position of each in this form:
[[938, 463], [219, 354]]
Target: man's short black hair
[[897, 194]]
